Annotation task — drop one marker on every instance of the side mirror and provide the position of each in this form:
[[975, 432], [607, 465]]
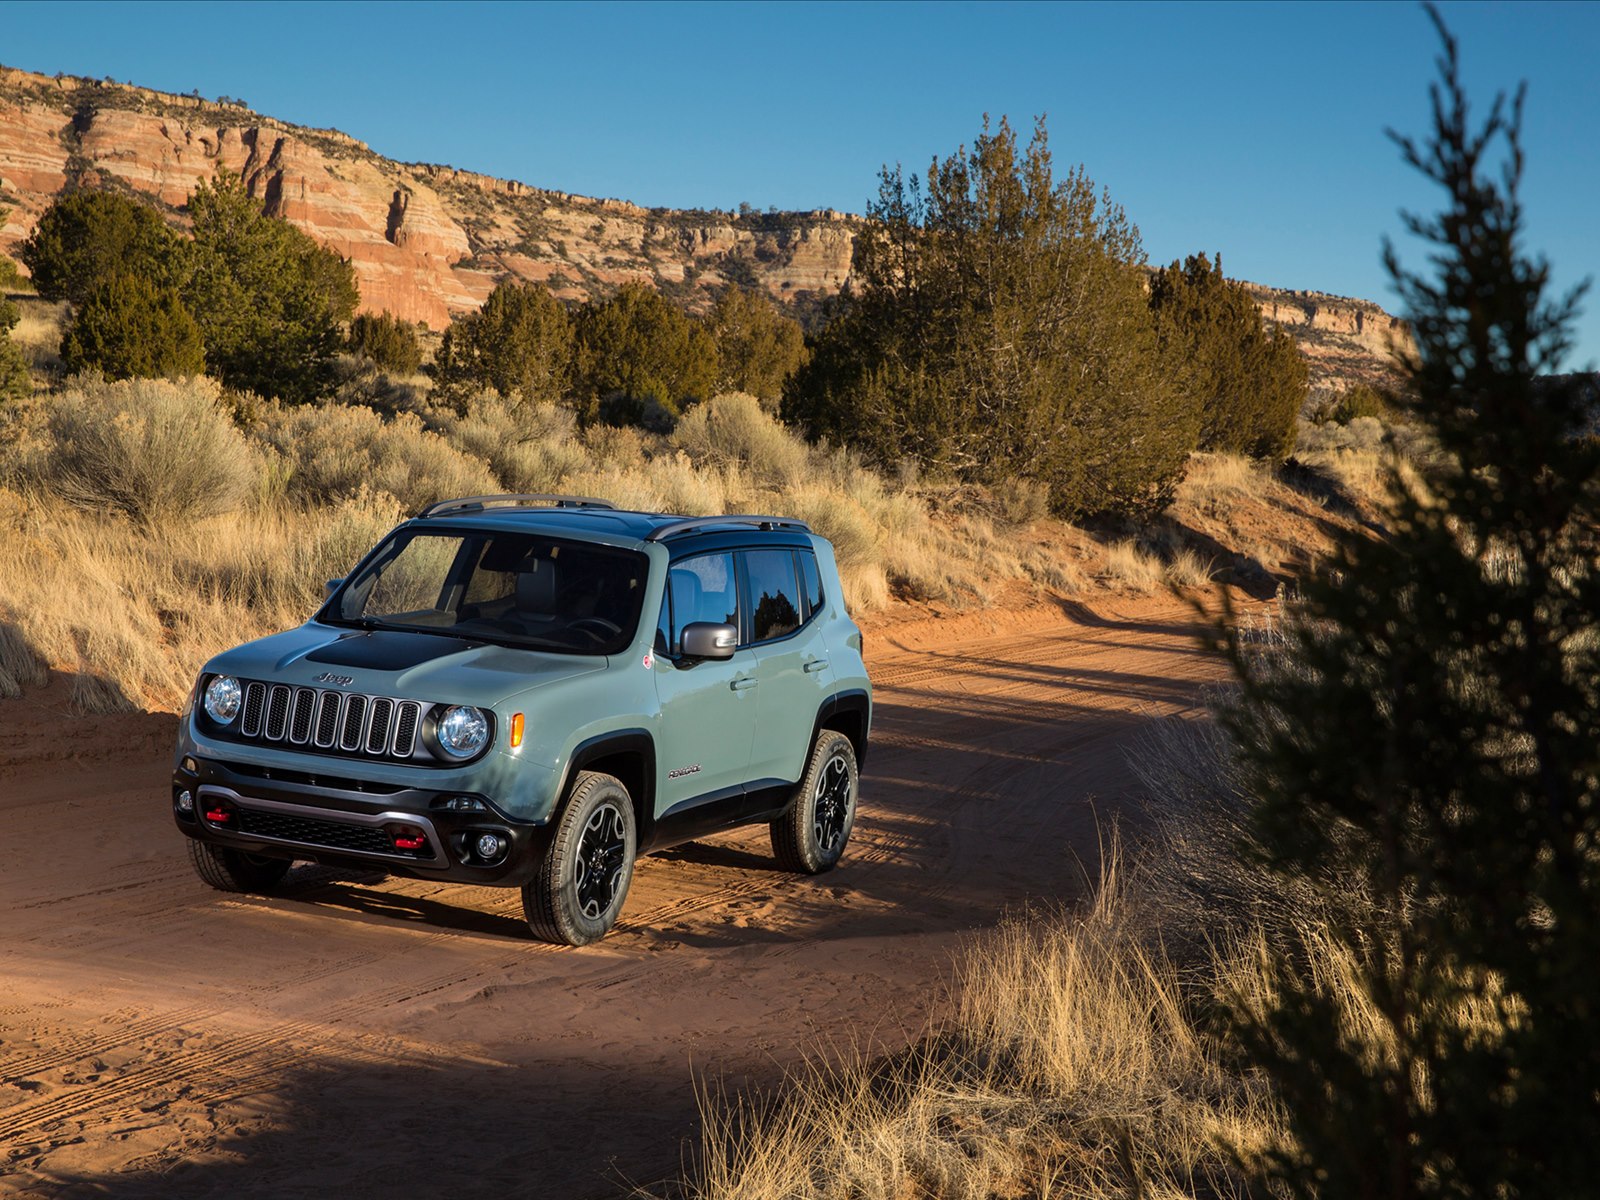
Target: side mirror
[[705, 640], [329, 588]]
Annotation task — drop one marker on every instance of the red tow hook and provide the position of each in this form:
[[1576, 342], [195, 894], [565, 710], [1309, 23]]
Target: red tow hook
[[409, 839]]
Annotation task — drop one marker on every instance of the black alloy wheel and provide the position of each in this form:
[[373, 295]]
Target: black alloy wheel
[[813, 831], [582, 881]]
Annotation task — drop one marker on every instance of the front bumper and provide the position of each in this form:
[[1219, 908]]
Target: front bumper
[[351, 823]]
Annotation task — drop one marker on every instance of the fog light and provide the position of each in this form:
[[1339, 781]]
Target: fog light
[[489, 846], [185, 801]]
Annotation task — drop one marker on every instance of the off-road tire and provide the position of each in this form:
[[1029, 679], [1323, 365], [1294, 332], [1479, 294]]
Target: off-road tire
[[560, 901], [234, 870], [813, 831]]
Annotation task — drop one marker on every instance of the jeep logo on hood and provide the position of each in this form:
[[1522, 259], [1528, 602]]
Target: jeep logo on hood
[[336, 680]]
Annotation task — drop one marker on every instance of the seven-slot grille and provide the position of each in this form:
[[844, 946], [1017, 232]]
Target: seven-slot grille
[[337, 722]]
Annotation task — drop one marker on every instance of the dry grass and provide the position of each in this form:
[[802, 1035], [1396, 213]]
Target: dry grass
[[1077, 1064], [133, 612], [170, 588], [38, 331]]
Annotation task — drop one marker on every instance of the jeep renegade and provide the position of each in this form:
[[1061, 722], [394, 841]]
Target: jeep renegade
[[531, 691]]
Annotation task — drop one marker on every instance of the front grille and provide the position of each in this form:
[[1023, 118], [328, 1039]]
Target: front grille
[[343, 723], [330, 835]]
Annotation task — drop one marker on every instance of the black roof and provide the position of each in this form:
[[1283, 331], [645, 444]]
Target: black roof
[[614, 526]]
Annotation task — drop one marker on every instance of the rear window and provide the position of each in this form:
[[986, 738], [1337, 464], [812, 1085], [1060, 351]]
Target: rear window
[[774, 594]]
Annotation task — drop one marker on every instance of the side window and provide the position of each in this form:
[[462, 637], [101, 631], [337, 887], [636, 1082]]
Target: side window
[[810, 583], [774, 596], [698, 589]]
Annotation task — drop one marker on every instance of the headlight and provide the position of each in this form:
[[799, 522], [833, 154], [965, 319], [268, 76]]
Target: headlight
[[223, 697], [462, 731]]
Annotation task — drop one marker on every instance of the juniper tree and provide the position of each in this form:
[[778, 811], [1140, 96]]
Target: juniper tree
[[997, 327], [269, 300], [388, 341], [519, 343], [127, 327], [1434, 737], [758, 348], [637, 358], [85, 237], [1248, 383]]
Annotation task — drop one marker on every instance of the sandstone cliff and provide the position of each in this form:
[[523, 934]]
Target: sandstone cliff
[[427, 242], [430, 242], [1345, 341]]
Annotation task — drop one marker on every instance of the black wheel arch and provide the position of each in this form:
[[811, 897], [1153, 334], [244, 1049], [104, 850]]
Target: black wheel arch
[[628, 755], [848, 712]]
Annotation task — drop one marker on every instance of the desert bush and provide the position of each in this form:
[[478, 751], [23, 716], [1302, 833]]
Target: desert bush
[[155, 449], [390, 343], [361, 383], [341, 453], [733, 430], [1359, 401], [1020, 501], [1363, 435], [615, 445], [530, 448]]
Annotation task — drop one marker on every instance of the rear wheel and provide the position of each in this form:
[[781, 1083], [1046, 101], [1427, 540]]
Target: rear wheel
[[578, 893], [234, 870], [811, 835]]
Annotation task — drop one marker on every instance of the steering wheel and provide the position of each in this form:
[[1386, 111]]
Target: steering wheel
[[598, 628]]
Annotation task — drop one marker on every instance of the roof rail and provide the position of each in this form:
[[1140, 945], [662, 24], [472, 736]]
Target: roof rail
[[474, 504], [672, 528]]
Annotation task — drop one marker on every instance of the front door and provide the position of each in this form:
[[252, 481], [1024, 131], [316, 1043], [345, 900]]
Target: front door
[[708, 708]]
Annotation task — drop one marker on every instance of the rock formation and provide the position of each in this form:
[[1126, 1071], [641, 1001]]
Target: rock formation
[[427, 242]]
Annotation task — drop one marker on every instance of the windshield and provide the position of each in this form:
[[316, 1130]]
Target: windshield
[[513, 588]]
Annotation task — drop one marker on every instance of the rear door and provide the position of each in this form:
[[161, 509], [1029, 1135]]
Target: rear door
[[791, 662]]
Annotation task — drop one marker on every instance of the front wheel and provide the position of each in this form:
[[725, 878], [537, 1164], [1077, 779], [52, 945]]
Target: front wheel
[[234, 870], [811, 835], [577, 895]]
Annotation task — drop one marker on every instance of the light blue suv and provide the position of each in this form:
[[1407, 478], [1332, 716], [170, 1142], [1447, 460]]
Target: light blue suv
[[531, 691]]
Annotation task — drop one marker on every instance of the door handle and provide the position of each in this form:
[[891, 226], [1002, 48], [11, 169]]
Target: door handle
[[814, 664], [744, 682]]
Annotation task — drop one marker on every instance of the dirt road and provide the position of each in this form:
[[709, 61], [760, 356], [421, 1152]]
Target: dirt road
[[360, 1036]]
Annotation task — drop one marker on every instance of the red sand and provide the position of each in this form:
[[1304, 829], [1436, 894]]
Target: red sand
[[361, 1036]]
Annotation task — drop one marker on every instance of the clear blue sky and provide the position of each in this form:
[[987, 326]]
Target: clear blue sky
[[1252, 129]]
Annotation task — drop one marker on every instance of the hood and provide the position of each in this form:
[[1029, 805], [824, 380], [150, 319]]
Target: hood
[[417, 666]]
